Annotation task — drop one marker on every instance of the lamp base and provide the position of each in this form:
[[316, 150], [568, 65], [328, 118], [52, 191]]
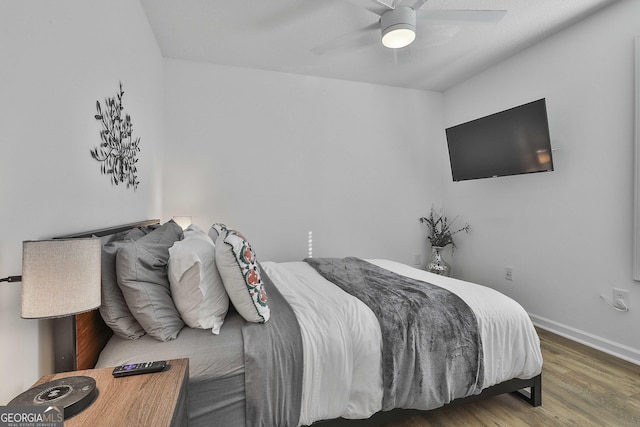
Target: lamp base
[[74, 394]]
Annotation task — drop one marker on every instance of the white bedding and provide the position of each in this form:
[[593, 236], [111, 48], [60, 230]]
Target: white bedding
[[342, 342], [342, 345]]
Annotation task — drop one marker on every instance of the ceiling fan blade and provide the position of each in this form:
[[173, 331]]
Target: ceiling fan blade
[[351, 39], [397, 3], [296, 12], [436, 35], [402, 56], [376, 6], [389, 6], [462, 16], [418, 4]]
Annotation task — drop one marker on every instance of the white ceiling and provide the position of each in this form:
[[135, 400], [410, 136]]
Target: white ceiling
[[292, 36]]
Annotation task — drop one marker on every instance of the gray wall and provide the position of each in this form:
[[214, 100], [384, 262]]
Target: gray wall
[[58, 58], [277, 155], [567, 234]]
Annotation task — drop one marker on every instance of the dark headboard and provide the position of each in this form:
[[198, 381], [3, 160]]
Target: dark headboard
[[110, 230], [79, 339]]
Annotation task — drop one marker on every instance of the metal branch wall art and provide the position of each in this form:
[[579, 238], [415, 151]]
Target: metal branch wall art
[[118, 151]]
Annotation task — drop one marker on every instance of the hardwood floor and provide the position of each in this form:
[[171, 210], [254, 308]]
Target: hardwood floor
[[581, 387]]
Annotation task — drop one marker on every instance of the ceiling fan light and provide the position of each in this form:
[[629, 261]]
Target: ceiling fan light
[[398, 27], [397, 38]]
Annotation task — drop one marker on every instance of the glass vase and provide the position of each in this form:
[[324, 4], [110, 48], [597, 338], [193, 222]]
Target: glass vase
[[437, 264]]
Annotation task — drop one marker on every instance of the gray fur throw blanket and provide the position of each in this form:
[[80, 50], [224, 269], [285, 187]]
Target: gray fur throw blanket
[[432, 350]]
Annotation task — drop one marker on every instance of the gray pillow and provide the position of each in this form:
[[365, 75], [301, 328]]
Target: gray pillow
[[113, 309], [141, 268]]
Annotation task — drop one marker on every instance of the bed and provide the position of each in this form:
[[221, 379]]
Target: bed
[[325, 350]]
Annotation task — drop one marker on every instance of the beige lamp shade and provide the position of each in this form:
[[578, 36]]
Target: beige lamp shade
[[60, 277]]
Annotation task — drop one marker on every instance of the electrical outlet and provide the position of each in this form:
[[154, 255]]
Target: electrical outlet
[[417, 259], [621, 298], [508, 273]]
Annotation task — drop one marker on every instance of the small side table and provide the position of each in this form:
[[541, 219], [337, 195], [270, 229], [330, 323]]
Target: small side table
[[156, 399]]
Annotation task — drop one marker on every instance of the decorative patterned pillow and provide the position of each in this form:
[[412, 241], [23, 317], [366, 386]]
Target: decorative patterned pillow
[[240, 274], [216, 230], [196, 286]]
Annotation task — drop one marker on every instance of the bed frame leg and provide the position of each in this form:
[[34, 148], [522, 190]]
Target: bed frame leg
[[534, 397]]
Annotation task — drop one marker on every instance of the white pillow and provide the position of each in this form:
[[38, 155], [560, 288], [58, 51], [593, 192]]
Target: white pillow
[[240, 273], [196, 286]]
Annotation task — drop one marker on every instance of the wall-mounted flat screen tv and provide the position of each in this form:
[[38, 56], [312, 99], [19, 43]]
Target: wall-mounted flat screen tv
[[511, 142]]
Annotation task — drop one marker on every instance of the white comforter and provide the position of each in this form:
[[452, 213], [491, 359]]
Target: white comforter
[[342, 343]]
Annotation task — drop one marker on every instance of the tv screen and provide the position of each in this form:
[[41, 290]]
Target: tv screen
[[511, 142]]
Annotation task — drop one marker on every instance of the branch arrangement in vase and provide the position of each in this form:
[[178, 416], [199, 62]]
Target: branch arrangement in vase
[[440, 231]]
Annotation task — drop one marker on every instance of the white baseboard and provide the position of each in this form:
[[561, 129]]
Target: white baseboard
[[621, 351]]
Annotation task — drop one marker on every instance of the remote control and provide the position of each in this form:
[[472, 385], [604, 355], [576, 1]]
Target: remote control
[[138, 368]]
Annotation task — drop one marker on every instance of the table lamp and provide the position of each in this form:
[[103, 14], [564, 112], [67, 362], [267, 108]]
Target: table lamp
[[61, 278], [183, 221]]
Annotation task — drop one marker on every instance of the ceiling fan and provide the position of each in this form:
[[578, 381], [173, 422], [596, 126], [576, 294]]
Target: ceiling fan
[[397, 22]]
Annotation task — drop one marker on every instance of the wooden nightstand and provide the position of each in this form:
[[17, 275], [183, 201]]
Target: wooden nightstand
[[156, 399]]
